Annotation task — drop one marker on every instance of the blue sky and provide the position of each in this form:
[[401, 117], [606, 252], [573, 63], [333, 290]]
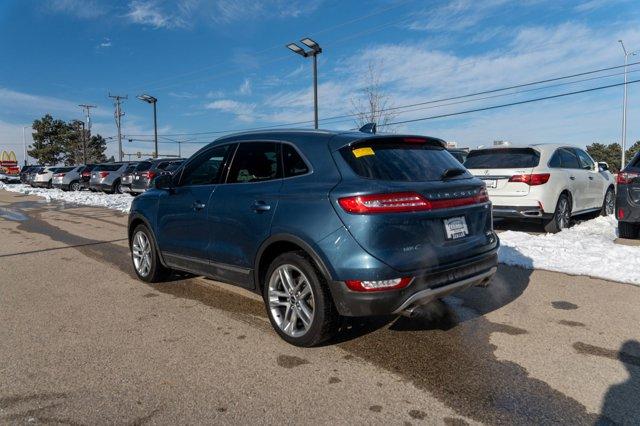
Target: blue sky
[[222, 65]]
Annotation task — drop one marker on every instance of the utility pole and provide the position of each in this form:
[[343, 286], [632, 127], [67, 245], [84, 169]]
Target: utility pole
[[118, 115], [87, 109], [624, 102], [24, 143]]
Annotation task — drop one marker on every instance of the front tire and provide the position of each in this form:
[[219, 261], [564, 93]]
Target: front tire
[[561, 217], [298, 301], [609, 203], [628, 230], [146, 257]]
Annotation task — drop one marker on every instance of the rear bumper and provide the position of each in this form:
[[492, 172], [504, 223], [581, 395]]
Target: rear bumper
[[423, 289], [631, 210], [519, 212], [40, 184]]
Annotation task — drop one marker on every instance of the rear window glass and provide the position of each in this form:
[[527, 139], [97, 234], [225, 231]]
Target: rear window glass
[[108, 167], [143, 166], [65, 169], [502, 158], [391, 160], [130, 168]]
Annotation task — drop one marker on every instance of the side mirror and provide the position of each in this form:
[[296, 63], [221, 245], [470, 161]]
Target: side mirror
[[602, 166], [164, 182]]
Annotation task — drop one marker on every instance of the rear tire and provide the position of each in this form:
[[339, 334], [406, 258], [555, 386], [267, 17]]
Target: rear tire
[[75, 186], [628, 230], [609, 203], [117, 187], [561, 217], [300, 308], [146, 257]]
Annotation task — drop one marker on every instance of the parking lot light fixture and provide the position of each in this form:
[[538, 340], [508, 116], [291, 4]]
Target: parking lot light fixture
[[314, 52], [624, 101], [152, 100]]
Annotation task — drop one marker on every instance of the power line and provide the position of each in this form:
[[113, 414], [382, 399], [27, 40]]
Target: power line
[[433, 101], [593, 89]]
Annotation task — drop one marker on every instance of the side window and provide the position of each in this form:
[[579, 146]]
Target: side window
[[162, 166], [555, 162], [293, 163], [585, 161], [569, 160], [207, 168], [255, 162]]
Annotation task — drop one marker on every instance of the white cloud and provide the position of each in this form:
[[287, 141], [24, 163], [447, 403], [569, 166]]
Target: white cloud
[[106, 42], [14, 101], [243, 111], [150, 13], [182, 95], [82, 9], [245, 87]]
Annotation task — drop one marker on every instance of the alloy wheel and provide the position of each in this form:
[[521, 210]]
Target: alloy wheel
[[609, 203], [75, 186], [291, 300], [563, 213], [141, 250]]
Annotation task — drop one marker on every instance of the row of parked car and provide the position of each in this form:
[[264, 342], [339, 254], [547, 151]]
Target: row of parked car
[[113, 178]]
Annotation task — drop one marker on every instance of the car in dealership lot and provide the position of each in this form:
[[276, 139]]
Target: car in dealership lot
[[30, 174], [85, 175], [549, 183], [9, 177], [628, 199], [44, 178], [69, 180], [321, 224], [107, 177], [146, 171], [24, 173], [459, 154]]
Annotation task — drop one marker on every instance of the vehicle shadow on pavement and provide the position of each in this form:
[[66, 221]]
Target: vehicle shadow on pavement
[[621, 403]]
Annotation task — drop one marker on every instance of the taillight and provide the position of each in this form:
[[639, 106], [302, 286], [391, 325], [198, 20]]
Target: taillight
[[625, 178], [59, 175], [393, 284], [103, 174], [85, 174], [532, 179], [620, 214], [149, 175], [399, 202]]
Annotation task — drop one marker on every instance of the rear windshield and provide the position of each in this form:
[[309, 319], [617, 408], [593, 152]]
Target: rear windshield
[[395, 160], [502, 158], [130, 168], [107, 167], [64, 169], [143, 166]]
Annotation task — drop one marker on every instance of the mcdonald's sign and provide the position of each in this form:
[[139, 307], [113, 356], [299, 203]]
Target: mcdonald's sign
[[9, 163]]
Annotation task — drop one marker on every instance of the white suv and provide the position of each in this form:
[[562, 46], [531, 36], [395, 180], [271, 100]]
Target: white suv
[[548, 182]]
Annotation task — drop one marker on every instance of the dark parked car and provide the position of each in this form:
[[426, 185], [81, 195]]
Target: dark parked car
[[146, 171], [628, 199], [24, 173], [321, 224]]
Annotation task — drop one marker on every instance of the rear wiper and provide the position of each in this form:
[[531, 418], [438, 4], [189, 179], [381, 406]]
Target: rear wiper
[[449, 173]]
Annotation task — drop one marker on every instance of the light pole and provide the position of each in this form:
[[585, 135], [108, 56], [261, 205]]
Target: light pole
[[314, 52], [24, 143], [151, 100], [624, 102]]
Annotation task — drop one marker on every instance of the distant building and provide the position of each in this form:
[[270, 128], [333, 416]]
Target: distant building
[[452, 144]]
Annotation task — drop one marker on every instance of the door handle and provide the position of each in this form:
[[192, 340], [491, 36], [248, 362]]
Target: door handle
[[590, 177], [197, 205], [260, 206], [572, 177]]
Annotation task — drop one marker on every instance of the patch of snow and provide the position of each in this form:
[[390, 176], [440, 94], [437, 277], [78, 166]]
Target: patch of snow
[[585, 249], [120, 202]]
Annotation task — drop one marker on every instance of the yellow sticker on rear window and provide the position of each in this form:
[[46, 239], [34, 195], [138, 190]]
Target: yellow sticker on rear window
[[362, 152]]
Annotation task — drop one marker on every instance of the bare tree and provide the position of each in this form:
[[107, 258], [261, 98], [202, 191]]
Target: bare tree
[[372, 104]]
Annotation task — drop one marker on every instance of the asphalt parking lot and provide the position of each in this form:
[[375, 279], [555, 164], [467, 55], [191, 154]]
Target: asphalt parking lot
[[84, 342]]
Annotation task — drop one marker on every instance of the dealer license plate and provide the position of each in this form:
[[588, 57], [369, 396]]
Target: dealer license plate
[[491, 183], [456, 227]]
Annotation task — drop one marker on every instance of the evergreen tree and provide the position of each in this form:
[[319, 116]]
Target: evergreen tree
[[611, 154], [631, 152], [48, 140]]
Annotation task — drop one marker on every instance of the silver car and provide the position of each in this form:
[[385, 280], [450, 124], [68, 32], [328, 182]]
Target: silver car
[[68, 181], [107, 177], [43, 178]]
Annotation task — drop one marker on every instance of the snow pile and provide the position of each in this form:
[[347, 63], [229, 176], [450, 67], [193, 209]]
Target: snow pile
[[585, 249], [121, 202]]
